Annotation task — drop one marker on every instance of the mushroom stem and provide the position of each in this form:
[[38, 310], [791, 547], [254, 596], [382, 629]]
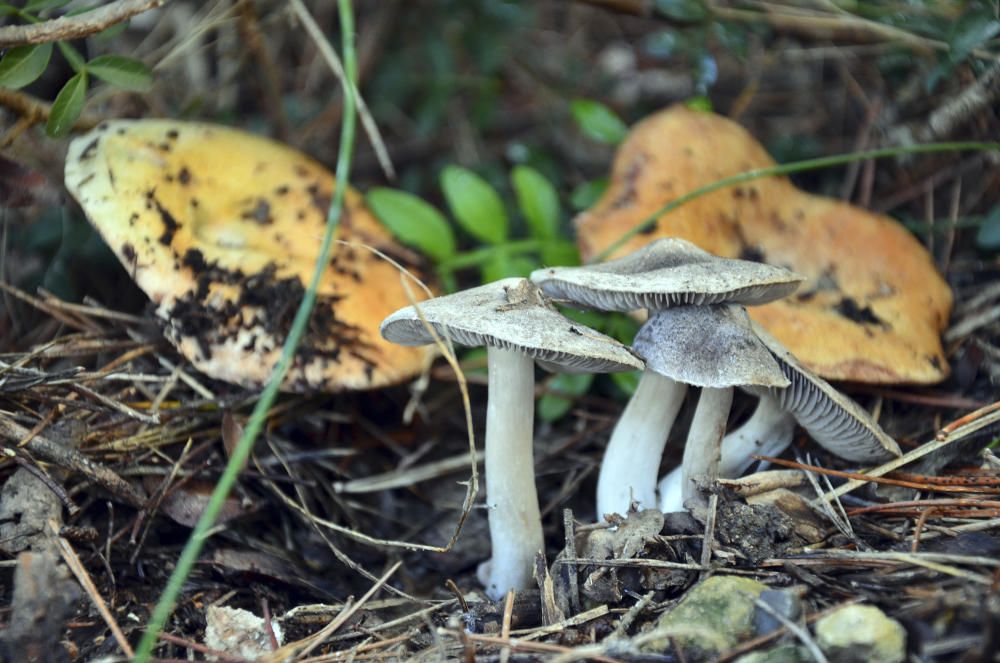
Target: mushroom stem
[[767, 432], [515, 521], [632, 460], [704, 442]]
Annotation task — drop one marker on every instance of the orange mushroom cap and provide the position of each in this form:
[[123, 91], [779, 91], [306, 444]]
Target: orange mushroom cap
[[222, 229], [873, 304]]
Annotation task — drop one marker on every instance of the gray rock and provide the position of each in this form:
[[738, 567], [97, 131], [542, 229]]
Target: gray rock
[[859, 634], [714, 616], [785, 602], [779, 654]]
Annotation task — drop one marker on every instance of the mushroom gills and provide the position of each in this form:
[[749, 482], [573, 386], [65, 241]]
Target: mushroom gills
[[836, 422]]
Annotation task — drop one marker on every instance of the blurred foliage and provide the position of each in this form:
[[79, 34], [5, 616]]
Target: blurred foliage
[[23, 65], [508, 142]]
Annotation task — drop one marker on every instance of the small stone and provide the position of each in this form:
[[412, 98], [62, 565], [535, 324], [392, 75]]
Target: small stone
[[785, 602], [239, 632], [779, 654], [861, 633], [714, 616]]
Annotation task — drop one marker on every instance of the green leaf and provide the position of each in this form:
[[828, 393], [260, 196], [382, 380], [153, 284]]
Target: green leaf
[[496, 267], [538, 200], [475, 204], [554, 406], [23, 65], [589, 318], [988, 236], [699, 103], [122, 72], [621, 327], [560, 253], [970, 31], [627, 381], [413, 221], [72, 56], [7, 10], [585, 195], [42, 5], [687, 11], [67, 106], [115, 30], [597, 121]]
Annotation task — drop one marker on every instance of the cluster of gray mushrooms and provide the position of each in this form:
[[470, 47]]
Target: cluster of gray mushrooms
[[697, 333]]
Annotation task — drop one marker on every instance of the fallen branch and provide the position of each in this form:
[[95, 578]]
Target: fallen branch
[[75, 27], [69, 459]]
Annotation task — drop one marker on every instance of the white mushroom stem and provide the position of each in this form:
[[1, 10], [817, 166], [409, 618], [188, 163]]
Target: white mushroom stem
[[632, 460], [515, 521], [704, 442], [767, 432]]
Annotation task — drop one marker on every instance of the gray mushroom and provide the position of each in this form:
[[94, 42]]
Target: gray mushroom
[[835, 421], [712, 347], [518, 326], [662, 276]]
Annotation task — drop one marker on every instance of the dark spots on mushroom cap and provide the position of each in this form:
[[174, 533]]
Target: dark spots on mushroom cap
[[263, 313], [103, 126], [281, 190], [170, 224], [164, 147], [194, 202], [934, 361], [85, 180], [184, 176], [319, 200], [301, 170], [633, 173], [172, 134], [133, 217], [753, 254], [128, 252], [850, 309], [195, 260], [300, 215], [260, 213], [88, 152]]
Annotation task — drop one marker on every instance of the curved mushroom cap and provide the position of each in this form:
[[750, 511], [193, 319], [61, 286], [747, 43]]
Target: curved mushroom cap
[[512, 314], [707, 346], [221, 229], [837, 423], [667, 272], [873, 305]]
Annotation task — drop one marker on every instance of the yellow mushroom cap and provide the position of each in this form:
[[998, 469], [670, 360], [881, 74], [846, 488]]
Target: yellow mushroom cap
[[221, 229], [873, 304]]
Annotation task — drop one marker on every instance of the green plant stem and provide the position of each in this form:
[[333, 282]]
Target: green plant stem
[[480, 256], [241, 452], [785, 169]]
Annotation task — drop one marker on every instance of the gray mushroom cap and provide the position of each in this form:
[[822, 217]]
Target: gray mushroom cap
[[667, 272], [512, 314], [707, 346], [836, 422]]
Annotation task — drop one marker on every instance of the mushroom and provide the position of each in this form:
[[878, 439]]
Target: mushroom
[[835, 421], [221, 229], [873, 305], [665, 274], [518, 326]]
